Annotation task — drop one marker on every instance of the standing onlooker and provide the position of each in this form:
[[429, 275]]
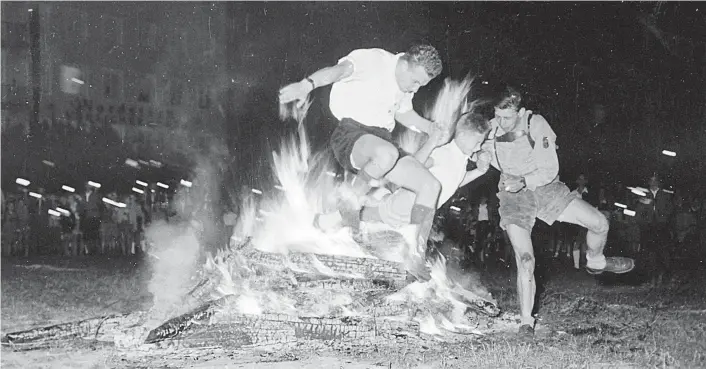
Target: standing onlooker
[[484, 229], [23, 219], [90, 220], [136, 219], [10, 226], [122, 221], [655, 211], [685, 227], [575, 235], [69, 227]]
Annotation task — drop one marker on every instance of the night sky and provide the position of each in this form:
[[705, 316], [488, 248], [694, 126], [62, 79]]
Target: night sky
[[618, 82]]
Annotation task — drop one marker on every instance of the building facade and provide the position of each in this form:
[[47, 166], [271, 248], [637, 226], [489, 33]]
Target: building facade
[[132, 69]]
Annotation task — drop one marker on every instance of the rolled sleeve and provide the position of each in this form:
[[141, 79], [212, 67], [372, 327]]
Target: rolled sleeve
[[363, 60], [544, 154]]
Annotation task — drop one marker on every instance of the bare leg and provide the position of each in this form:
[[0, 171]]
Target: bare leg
[[582, 213], [521, 241]]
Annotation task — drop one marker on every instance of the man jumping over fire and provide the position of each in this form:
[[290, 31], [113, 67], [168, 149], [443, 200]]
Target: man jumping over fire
[[373, 88], [524, 150]]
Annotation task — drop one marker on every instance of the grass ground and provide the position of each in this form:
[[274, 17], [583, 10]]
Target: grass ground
[[584, 322]]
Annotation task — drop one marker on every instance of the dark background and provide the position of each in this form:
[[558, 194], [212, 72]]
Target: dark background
[[618, 82]]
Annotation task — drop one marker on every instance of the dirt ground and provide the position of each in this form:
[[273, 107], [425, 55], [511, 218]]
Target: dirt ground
[[584, 322]]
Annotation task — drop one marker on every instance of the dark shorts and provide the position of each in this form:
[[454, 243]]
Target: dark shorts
[[546, 203], [347, 134]]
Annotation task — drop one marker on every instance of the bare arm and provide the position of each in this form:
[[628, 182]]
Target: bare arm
[[332, 74], [322, 77]]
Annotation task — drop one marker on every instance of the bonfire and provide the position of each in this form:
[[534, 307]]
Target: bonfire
[[283, 280]]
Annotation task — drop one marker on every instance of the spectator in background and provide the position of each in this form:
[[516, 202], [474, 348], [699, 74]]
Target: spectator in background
[[576, 233], [90, 219], [135, 217], [54, 240], [10, 227], [484, 229], [685, 226], [23, 219], [654, 213], [69, 239], [122, 219]]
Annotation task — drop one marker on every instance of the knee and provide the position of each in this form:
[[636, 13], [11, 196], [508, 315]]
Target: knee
[[602, 225], [385, 157], [430, 184], [526, 262]]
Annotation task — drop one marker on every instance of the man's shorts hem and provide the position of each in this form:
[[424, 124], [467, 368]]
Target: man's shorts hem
[[524, 207], [345, 136]]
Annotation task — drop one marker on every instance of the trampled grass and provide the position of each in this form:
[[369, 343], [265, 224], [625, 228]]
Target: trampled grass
[[584, 322]]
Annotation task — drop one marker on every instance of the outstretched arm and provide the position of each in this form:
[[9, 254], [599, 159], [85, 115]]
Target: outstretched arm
[[298, 91]]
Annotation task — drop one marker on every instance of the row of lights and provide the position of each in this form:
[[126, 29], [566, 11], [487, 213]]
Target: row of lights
[[58, 211]]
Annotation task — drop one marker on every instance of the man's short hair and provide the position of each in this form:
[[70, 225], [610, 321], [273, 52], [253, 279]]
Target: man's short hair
[[508, 97], [426, 56], [474, 121]]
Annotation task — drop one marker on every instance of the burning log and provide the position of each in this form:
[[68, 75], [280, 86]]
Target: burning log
[[102, 329], [241, 330], [362, 268]]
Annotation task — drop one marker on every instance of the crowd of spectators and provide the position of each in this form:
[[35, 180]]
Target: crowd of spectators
[[72, 224]]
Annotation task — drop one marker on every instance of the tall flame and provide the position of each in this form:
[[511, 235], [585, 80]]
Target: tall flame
[[278, 218]]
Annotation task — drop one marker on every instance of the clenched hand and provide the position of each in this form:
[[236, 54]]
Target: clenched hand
[[297, 91]]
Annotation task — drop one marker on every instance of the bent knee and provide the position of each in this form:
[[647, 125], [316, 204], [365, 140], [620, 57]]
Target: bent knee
[[430, 184], [600, 225], [385, 157]]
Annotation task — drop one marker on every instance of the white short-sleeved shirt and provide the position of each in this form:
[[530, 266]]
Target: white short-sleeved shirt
[[449, 168], [370, 95]]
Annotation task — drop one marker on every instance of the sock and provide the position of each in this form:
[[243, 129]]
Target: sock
[[595, 262], [577, 258], [420, 213]]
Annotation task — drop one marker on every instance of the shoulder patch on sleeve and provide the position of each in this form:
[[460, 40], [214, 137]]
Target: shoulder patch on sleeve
[[545, 142]]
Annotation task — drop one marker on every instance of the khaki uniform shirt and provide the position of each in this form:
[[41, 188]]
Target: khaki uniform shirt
[[539, 165]]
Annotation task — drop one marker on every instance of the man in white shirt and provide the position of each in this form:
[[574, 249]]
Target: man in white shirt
[[373, 88]]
